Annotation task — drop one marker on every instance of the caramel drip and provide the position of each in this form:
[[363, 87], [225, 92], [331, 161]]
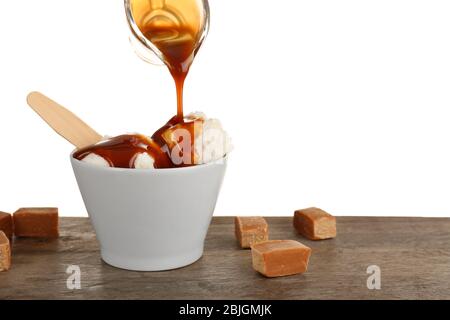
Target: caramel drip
[[121, 151], [174, 29]]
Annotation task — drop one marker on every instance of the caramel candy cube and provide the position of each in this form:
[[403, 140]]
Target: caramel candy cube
[[5, 252], [277, 258], [6, 224], [36, 222], [175, 138], [250, 230], [315, 224]]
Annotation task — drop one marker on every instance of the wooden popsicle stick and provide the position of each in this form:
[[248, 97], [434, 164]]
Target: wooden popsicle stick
[[63, 121]]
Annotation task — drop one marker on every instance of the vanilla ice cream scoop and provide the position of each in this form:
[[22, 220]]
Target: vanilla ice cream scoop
[[95, 159], [212, 142], [142, 161], [194, 141], [132, 151]]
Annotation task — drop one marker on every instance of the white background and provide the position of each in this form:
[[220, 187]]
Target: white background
[[338, 104]]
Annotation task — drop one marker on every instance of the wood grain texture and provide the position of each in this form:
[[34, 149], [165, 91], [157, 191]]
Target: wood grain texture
[[413, 254]]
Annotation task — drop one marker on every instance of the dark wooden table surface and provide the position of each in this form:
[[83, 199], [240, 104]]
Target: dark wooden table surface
[[412, 253]]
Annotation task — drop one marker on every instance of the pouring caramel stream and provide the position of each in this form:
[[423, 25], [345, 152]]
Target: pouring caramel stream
[[173, 29]]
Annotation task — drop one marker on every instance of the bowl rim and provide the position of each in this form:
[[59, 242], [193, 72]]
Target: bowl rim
[[80, 163]]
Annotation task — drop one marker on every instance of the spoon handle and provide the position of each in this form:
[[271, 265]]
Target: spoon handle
[[63, 121]]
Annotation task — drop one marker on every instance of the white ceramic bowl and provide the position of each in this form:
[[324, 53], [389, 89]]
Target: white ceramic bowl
[[150, 220]]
